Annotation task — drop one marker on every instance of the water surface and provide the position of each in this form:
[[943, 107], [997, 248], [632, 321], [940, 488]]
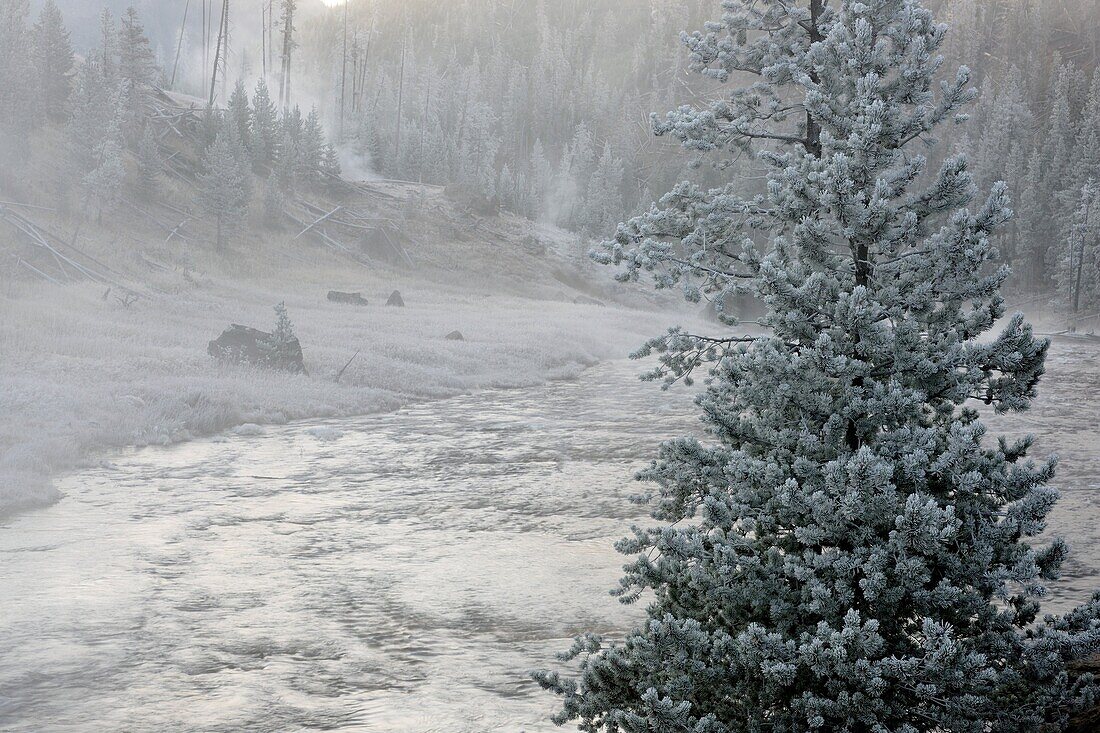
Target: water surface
[[399, 572]]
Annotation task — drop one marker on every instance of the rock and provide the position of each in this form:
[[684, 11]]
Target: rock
[[585, 300], [396, 300], [243, 345], [337, 296], [454, 336], [325, 433]]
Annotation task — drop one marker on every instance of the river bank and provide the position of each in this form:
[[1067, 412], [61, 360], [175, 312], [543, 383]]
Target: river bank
[[399, 572], [83, 373]]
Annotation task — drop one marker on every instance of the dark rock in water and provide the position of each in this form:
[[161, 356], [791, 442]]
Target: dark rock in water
[[395, 299], [350, 298], [454, 336], [585, 300], [243, 345]]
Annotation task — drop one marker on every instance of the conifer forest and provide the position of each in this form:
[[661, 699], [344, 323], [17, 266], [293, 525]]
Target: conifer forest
[[623, 366]]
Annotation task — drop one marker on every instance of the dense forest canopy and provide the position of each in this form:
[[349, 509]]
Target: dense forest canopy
[[544, 105]]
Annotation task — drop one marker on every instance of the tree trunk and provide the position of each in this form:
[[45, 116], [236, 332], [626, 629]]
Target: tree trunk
[[813, 130]]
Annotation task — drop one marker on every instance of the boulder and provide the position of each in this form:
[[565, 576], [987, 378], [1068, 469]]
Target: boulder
[[337, 296], [243, 345], [454, 336], [585, 300], [396, 300]]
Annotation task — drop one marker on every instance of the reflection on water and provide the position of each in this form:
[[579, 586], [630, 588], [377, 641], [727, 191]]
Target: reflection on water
[[394, 573]]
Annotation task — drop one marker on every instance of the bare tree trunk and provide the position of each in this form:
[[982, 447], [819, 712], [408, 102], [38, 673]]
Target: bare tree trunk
[[400, 95], [179, 45], [219, 56], [424, 124], [344, 71], [288, 45], [813, 130], [205, 34], [263, 38]]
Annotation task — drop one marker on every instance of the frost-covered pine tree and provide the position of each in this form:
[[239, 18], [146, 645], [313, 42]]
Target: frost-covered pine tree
[[1075, 260], [16, 88], [603, 205], [265, 127], [223, 190], [240, 114], [849, 551], [311, 147], [53, 62], [137, 68], [149, 163], [102, 185], [93, 111]]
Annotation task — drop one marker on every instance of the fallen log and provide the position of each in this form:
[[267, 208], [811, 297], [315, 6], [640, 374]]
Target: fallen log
[[337, 296]]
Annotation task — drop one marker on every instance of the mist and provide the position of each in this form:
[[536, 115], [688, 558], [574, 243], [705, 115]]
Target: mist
[[352, 352]]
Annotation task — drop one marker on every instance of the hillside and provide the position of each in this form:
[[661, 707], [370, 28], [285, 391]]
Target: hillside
[[106, 320]]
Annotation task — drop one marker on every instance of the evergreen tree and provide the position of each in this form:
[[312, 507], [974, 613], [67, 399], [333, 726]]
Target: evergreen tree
[[102, 185], [604, 202], [265, 126], [222, 188], [369, 145], [240, 114], [542, 173], [92, 112], [284, 329], [849, 552], [16, 90], [107, 52], [149, 163], [137, 68], [53, 62], [1029, 255], [1086, 149], [311, 147], [330, 163], [1075, 270], [1008, 115], [284, 177]]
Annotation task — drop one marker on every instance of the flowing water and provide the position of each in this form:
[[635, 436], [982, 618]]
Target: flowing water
[[399, 572]]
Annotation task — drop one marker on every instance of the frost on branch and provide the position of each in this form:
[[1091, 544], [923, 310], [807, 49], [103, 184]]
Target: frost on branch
[[848, 551]]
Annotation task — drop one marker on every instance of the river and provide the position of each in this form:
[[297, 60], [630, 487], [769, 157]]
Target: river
[[398, 572]]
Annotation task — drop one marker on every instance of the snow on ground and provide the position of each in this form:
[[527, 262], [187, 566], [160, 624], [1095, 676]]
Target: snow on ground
[[82, 374], [83, 370]]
